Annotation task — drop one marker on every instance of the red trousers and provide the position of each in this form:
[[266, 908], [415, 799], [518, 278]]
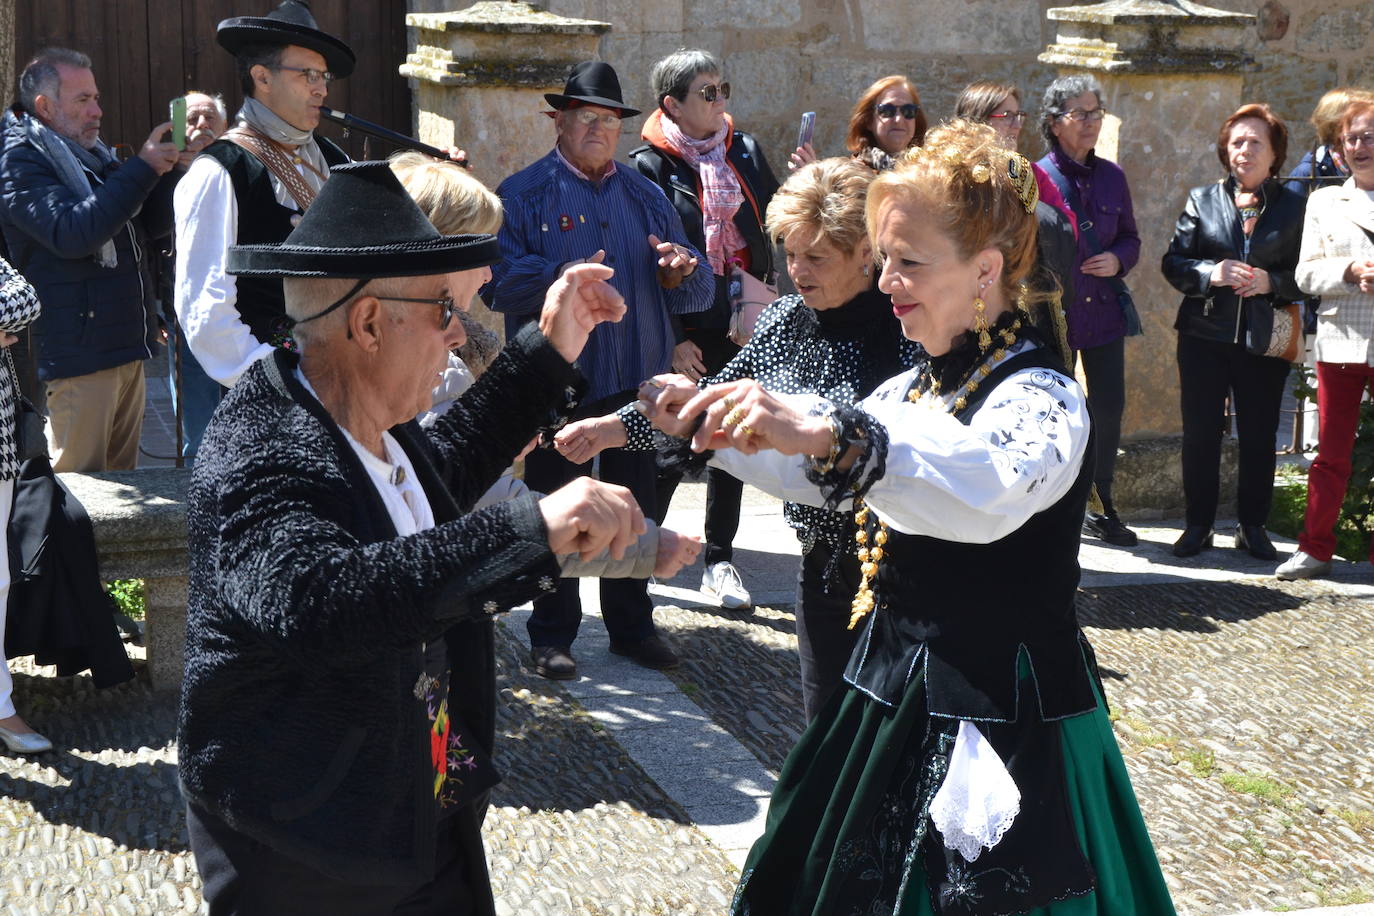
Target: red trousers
[[1340, 386]]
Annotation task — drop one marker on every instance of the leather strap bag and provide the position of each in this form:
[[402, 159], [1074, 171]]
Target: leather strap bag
[[1273, 330], [749, 296], [30, 436]]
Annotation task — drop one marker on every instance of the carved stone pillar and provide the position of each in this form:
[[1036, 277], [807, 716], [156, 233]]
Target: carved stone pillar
[[478, 77], [1171, 72]]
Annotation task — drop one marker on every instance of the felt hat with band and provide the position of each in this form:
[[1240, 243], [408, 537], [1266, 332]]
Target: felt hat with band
[[364, 225], [288, 24], [592, 82]]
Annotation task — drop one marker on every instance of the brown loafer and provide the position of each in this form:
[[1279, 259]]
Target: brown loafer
[[650, 653], [554, 662]]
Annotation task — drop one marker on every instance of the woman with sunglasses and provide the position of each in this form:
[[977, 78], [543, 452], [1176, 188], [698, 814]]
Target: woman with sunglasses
[[719, 181], [886, 120], [1101, 314]]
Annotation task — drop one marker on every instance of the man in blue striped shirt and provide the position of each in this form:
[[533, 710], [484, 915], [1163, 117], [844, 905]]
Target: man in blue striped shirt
[[576, 205]]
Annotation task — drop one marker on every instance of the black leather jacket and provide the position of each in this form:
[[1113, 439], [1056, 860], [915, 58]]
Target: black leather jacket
[[680, 183], [1209, 231]]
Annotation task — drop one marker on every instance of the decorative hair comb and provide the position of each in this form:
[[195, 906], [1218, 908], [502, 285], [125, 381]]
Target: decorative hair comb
[[1023, 180]]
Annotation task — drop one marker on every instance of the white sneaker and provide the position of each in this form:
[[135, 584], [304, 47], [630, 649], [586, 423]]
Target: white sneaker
[[721, 581], [1302, 566]]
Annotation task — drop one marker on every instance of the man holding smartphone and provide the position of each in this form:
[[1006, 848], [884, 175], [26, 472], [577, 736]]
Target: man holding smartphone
[[77, 221], [252, 185]]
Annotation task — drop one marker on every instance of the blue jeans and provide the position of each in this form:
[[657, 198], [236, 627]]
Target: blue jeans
[[200, 394]]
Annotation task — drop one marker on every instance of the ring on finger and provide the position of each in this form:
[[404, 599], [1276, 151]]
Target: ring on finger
[[734, 416], [729, 402], [746, 429]]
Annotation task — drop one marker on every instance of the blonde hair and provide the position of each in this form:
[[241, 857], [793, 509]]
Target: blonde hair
[[1327, 115], [966, 185], [455, 202], [826, 199]]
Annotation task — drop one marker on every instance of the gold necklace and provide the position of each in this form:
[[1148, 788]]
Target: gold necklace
[[871, 556]]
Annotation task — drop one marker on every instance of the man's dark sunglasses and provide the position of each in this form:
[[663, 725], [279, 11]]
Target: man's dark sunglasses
[[889, 110], [446, 307]]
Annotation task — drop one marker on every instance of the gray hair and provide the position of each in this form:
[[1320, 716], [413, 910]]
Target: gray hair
[[1059, 92], [216, 97], [41, 77], [674, 73], [308, 296]]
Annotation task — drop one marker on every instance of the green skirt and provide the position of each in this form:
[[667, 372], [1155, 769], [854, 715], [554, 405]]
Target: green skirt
[[848, 833]]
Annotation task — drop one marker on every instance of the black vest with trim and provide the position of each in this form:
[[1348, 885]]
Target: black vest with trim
[[972, 608], [262, 221]]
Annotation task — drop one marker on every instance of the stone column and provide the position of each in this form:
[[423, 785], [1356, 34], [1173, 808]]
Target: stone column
[[1171, 72], [478, 77]]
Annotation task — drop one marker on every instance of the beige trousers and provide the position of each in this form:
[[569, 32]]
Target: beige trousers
[[95, 420]]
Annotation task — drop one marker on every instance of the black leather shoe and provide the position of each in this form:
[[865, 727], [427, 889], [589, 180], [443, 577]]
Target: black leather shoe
[[651, 653], [1193, 540], [1109, 528], [554, 662], [1255, 540]]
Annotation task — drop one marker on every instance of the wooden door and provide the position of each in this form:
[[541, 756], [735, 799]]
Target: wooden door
[[145, 52]]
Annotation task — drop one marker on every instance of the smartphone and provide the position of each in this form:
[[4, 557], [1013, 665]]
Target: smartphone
[[177, 107], [808, 128]]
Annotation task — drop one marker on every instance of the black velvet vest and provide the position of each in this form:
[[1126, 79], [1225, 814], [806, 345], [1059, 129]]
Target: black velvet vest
[[262, 221], [969, 610]]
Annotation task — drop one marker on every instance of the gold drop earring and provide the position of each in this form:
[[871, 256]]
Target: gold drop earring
[[980, 320]]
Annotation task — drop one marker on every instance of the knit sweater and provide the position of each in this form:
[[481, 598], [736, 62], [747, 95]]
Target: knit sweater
[[301, 724]]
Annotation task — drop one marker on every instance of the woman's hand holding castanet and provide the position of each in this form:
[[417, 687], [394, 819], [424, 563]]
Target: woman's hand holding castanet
[[661, 397], [744, 416]]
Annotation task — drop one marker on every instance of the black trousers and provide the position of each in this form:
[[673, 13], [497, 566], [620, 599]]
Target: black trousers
[[625, 604], [1207, 371], [243, 877], [723, 492], [824, 641], [1104, 368]]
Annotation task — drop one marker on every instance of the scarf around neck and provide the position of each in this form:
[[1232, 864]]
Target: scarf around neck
[[71, 160], [721, 195], [268, 123]]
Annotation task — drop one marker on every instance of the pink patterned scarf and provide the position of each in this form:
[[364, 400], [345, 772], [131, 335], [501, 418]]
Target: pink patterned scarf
[[721, 195]]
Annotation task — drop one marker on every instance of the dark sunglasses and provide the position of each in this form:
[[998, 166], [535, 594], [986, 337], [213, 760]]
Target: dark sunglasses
[[711, 90], [888, 111], [446, 307]]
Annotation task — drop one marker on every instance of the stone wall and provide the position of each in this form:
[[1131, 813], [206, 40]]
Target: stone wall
[[785, 56], [1303, 48]]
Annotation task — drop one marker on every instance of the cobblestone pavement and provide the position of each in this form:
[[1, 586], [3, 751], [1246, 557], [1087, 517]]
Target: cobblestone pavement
[[576, 827], [1243, 711]]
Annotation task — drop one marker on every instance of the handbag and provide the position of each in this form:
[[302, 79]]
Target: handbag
[[30, 436], [749, 296], [1273, 330]]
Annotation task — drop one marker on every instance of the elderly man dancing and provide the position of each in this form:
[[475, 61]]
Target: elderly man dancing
[[338, 714]]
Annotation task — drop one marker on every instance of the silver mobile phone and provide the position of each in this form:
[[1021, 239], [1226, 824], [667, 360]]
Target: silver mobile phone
[[808, 128]]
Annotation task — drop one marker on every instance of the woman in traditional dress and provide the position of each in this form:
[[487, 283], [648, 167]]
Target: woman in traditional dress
[[970, 766]]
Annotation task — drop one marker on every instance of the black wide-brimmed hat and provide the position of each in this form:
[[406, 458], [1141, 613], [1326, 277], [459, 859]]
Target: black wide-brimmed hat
[[362, 225], [595, 83], [288, 24]]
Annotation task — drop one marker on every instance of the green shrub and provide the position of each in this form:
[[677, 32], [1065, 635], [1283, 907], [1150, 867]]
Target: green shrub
[[128, 596], [1356, 522]]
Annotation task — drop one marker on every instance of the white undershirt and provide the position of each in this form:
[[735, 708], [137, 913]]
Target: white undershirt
[[394, 479]]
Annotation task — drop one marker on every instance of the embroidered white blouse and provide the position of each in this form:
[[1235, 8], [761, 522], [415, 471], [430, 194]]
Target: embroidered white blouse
[[973, 483]]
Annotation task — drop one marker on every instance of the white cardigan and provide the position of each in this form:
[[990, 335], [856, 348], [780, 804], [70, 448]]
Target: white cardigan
[[1333, 235]]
